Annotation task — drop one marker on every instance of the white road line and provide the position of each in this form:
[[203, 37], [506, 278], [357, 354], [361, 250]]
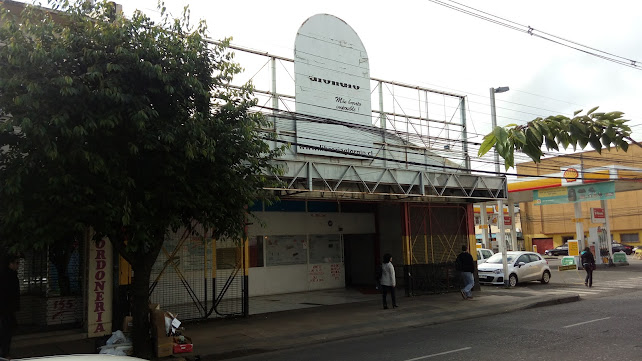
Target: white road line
[[438, 354], [584, 323]]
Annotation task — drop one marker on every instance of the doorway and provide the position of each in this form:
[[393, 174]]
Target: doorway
[[359, 259]]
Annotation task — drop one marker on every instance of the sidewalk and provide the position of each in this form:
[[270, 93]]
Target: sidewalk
[[221, 339]]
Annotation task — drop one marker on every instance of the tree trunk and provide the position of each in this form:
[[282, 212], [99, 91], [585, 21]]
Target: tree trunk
[[140, 307]]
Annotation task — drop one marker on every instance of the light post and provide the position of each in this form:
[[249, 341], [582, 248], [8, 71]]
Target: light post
[[501, 234]]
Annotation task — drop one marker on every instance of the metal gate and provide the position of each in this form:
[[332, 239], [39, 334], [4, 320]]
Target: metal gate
[[436, 234], [195, 277], [51, 285]]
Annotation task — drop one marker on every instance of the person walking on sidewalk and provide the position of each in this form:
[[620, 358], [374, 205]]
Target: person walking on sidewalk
[[588, 262], [388, 281], [465, 265], [9, 302]]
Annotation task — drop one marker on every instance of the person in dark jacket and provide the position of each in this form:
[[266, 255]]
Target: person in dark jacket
[[9, 302], [588, 262], [466, 265]]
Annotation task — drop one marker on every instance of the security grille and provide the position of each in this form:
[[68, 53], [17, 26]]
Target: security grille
[[51, 288], [437, 233], [183, 280]]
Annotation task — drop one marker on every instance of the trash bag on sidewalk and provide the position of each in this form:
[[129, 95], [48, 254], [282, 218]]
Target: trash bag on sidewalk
[[117, 337]]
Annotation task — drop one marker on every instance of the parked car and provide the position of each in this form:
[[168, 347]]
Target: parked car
[[483, 254], [557, 251], [619, 247], [522, 267]]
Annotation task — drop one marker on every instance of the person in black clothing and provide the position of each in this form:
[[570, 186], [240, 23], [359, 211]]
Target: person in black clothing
[[466, 265], [588, 262], [9, 302]]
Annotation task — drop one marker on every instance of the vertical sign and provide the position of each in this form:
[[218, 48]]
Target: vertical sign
[[573, 248], [332, 80], [99, 305]]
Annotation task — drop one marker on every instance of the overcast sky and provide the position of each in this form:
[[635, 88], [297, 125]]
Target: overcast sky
[[422, 43]]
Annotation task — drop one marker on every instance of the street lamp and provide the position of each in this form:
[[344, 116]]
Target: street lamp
[[501, 236]]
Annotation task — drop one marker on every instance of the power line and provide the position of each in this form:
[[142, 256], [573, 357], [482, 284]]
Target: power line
[[631, 63]]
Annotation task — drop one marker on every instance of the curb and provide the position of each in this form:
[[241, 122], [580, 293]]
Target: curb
[[553, 302], [321, 338]]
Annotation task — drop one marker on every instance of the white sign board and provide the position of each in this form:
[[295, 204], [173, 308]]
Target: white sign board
[[332, 78]]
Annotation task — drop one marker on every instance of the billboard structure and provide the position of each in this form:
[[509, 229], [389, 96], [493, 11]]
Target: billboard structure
[[332, 78]]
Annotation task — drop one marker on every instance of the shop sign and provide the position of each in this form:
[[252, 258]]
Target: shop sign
[[100, 287], [598, 215], [574, 194]]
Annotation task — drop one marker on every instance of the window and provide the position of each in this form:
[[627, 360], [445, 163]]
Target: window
[[523, 258], [630, 237], [534, 257], [256, 251], [325, 249], [285, 250], [486, 253]]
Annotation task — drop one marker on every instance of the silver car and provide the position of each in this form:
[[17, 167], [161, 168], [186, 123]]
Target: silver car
[[522, 267]]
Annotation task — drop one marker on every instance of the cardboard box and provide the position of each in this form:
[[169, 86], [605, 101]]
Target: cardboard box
[[164, 346], [183, 347], [158, 324], [128, 324]]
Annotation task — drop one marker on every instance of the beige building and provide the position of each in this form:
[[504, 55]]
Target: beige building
[[551, 225]]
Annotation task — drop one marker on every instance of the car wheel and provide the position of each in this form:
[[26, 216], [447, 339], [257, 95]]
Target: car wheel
[[512, 280], [546, 277]]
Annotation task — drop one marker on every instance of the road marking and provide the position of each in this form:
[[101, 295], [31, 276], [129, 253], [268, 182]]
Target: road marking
[[584, 323], [439, 354]]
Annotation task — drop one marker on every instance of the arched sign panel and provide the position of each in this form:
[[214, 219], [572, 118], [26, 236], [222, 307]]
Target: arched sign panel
[[332, 82]]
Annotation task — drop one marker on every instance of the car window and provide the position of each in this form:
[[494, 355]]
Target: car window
[[479, 254], [487, 253], [523, 258], [497, 258], [534, 257]]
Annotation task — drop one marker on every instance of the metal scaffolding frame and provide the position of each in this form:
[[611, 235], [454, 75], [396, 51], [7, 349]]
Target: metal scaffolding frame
[[423, 124]]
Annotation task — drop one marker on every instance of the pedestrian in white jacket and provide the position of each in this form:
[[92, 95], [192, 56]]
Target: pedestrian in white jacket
[[388, 281]]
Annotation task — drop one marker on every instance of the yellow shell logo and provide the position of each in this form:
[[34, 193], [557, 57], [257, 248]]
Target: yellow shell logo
[[571, 174]]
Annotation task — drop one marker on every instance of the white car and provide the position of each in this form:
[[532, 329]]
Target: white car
[[483, 254], [522, 267]]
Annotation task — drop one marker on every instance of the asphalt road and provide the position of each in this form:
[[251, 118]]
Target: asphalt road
[[602, 326]]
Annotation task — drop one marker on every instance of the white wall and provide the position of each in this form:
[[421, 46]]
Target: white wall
[[303, 277], [294, 223]]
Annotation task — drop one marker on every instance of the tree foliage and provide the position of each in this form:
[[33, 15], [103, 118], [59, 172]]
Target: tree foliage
[[594, 128], [126, 126]]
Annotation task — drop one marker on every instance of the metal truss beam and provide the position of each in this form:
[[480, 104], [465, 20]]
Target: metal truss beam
[[307, 179]]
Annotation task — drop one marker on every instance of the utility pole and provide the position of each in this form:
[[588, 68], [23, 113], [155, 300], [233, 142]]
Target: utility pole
[[500, 203]]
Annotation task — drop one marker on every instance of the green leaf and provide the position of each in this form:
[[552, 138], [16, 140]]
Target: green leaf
[[551, 144], [487, 144], [606, 141], [591, 111], [624, 145], [500, 134], [509, 160], [577, 112], [595, 143], [519, 136]]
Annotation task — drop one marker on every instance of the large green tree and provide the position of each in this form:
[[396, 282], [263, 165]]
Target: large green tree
[[595, 128], [125, 126]]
